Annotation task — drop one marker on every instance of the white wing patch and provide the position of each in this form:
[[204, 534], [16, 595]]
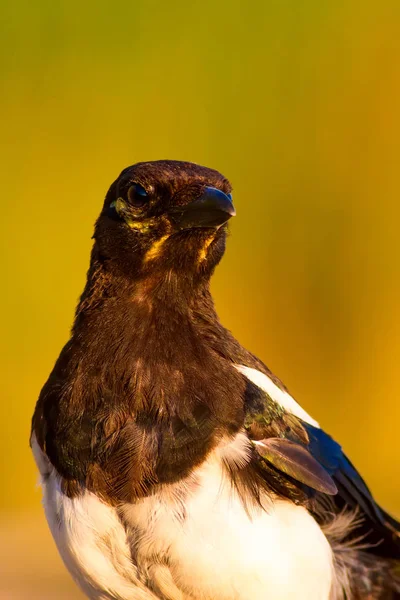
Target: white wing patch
[[283, 398]]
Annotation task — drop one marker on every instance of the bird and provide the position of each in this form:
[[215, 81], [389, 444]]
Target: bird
[[174, 464]]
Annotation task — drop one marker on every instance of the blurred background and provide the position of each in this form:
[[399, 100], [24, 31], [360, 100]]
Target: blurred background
[[298, 104]]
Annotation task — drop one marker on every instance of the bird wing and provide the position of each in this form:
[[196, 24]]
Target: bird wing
[[303, 461]]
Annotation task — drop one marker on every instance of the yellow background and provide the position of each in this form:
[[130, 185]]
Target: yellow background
[[298, 104]]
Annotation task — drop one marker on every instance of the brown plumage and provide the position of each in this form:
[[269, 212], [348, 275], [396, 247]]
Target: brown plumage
[[146, 388]]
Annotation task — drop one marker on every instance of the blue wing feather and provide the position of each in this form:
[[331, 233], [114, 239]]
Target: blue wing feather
[[379, 528]]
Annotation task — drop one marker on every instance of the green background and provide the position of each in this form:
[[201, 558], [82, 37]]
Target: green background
[[297, 103]]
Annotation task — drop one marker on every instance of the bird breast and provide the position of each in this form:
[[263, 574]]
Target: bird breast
[[190, 541]]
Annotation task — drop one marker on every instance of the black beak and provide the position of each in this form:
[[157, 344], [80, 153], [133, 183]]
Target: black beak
[[212, 209]]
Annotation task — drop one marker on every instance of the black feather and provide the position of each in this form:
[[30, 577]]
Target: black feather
[[377, 529]]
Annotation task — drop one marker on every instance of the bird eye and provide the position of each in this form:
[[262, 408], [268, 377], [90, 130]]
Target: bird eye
[[137, 195]]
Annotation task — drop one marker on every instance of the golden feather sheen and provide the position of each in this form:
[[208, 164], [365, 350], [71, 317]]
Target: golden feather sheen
[[295, 460]]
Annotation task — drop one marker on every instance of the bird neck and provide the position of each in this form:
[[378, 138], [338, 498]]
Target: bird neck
[[152, 313], [147, 357]]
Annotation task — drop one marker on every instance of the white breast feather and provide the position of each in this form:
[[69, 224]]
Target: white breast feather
[[210, 549], [90, 539]]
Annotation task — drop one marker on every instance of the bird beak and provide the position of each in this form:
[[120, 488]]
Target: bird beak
[[212, 209]]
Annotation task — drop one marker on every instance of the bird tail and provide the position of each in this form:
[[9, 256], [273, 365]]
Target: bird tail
[[359, 573], [376, 578]]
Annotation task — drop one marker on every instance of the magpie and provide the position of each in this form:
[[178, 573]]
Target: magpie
[[174, 464]]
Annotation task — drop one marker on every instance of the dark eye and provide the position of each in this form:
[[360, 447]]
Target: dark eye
[[137, 195]]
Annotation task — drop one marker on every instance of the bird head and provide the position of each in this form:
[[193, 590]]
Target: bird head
[[165, 215]]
